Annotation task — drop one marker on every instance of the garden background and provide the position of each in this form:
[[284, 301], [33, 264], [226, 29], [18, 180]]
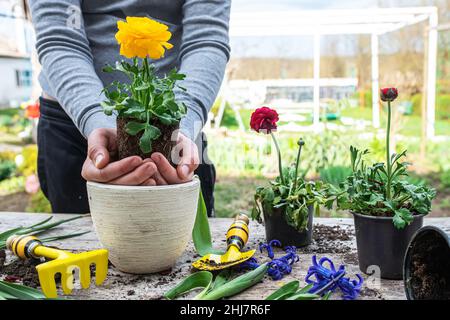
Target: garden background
[[244, 159]]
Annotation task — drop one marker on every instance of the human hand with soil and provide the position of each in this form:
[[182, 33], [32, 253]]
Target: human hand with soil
[[100, 167], [184, 155]]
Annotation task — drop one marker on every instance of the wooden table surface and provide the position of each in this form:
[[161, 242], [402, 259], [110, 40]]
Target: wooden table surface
[[125, 286]]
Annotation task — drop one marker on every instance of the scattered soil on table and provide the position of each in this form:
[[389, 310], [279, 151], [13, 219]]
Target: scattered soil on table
[[24, 270], [430, 268], [372, 293], [329, 239], [2, 257], [351, 258]]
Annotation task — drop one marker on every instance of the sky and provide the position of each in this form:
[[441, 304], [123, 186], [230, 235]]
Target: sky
[[250, 5], [290, 47], [302, 46]]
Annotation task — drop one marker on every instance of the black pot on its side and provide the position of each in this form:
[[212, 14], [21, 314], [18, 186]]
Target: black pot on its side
[[381, 244], [278, 229], [426, 271]]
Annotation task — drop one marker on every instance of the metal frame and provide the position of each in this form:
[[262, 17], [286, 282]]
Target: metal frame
[[372, 21]]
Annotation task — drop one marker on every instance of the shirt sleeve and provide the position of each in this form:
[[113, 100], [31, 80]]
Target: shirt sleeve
[[204, 53], [65, 55]]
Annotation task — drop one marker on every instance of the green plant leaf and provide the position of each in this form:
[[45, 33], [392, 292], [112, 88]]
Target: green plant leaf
[[201, 234], [303, 296], [201, 279], [66, 236], [165, 119], [108, 69], [19, 291], [34, 229], [327, 295], [37, 229], [150, 133], [134, 128], [285, 291], [237, 285], [221, 278]]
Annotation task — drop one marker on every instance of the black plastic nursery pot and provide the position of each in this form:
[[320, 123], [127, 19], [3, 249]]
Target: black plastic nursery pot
[[380, 244], [278, 229], [426, 271]]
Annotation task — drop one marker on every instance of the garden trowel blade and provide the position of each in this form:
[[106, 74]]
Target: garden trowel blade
[[212, 262]]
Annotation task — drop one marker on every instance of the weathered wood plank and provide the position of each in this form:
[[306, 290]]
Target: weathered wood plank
[[124, 286]]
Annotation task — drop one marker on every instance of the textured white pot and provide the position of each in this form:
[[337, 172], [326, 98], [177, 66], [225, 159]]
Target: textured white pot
[[145, 229]]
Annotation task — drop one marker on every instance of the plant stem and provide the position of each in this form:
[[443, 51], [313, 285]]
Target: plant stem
[[388, 154], [280, 166], [146, 78], [297, 162], [329, 284]]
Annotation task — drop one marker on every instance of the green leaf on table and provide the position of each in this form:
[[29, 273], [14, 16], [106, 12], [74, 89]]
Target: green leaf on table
[[201, 279], [303, 296], [16, 291], [222, 278], [236, 285], [201, 234], [285, 291], [35, 229], [327, 295]]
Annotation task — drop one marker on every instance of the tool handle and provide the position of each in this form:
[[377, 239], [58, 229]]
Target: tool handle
[[31, 247], [23, 246], [237, 234]]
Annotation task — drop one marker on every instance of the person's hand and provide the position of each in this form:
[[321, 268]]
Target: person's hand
[[97, 167], [186, 164]]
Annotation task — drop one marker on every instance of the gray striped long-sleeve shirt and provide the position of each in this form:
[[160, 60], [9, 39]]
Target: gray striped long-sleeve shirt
[[75, 40]]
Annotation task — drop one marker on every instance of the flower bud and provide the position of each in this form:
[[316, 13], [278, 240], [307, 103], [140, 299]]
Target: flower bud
[[388, 94]]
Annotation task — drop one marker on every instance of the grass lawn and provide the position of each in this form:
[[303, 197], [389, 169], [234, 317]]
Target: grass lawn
[[234, 194]]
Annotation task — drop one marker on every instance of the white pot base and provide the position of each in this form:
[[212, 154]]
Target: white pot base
[[145, 229]]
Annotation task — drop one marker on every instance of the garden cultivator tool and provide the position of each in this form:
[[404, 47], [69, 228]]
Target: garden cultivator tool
[[237, 237], [62, 262]]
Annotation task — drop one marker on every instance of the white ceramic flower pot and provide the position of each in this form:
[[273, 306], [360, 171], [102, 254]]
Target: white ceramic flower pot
[[145, 229]]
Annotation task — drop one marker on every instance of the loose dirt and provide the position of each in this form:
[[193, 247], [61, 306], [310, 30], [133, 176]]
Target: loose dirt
[[21, 270], [329, 239], [430, 269]]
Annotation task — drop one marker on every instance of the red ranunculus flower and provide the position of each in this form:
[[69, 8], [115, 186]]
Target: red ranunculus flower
[[264, 119], [32, 111], [388, 94]]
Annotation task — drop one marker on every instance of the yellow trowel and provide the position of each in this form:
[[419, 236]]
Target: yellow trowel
[[62, 262], [237, 237]]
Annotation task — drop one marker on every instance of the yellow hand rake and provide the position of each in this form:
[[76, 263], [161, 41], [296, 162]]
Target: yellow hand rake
[[62, 262], [237, 237]]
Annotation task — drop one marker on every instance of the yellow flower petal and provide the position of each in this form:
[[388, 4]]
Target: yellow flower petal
[[142, 37]]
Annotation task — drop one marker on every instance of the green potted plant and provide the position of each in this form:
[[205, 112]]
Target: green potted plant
[[145, 228], [387, 209], [288, 203]]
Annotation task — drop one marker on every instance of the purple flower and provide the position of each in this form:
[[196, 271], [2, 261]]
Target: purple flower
[[268, 247], [329, 279], [278, 267]]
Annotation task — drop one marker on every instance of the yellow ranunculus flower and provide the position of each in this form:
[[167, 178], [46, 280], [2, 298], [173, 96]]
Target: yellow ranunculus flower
[[142, 37]]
